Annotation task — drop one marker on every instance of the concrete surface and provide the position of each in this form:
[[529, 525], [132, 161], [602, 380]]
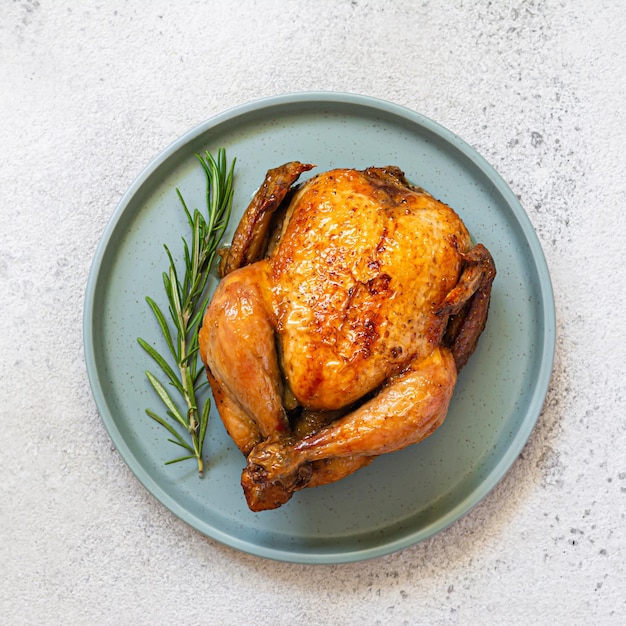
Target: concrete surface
[[92, 91]]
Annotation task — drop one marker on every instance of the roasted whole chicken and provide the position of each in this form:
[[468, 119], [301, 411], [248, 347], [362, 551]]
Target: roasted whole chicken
[[348, 305]]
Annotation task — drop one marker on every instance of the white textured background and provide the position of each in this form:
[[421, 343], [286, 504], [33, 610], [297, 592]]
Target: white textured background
[[91, 91]]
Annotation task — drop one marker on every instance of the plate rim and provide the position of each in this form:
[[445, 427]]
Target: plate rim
[[542, 377]]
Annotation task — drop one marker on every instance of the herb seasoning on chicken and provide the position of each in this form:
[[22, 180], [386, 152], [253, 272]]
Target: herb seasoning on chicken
[[347, 307]]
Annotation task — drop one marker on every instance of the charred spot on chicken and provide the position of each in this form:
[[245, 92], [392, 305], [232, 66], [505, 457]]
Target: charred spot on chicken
[[347, 306]]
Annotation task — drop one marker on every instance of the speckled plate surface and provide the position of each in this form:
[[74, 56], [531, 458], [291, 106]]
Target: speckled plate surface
[[401, 498]]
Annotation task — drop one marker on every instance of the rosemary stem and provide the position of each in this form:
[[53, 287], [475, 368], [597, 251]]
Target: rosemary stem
[[187, 299]]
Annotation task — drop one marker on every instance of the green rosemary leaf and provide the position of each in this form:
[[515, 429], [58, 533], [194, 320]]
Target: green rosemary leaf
[[197, 224], [162, 363], [189, 265], [168, 426], [182, 201], [206, 166], [182, 458], [204, 422], [194, 325], [202, 285], [167, 400], [175, 296], [182, 444], [170, 288], [200, 381], [193, 351], [163, 324]]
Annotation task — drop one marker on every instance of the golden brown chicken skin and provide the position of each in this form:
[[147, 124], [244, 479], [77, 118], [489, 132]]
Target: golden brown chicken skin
[[337, 335]]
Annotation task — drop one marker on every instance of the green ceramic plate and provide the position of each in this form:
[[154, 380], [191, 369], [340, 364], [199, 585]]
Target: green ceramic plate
[[401, 498]]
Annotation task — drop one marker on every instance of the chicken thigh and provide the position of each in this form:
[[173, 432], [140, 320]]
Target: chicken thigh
[[346, 309]]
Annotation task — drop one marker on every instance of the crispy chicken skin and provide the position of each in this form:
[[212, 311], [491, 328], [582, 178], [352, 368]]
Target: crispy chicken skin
[[347, 308]]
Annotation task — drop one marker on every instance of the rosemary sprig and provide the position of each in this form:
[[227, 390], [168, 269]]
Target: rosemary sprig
[[188, 300]]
